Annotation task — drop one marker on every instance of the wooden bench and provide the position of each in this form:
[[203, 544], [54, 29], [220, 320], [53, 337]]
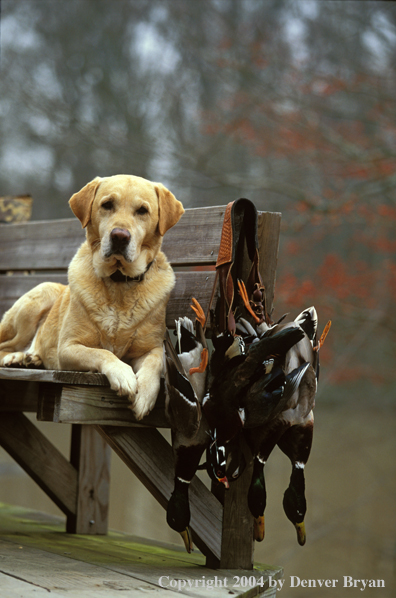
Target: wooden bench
[[34, 252]]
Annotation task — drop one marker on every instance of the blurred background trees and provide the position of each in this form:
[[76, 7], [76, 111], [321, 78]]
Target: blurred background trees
[[291, 103], [288, 102]]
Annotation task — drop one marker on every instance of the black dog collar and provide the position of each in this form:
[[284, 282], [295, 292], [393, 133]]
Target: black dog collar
[[118, 276]]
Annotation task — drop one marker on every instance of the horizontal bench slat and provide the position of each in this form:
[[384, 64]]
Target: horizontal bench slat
[[51, 244], [94, 405], [59, 377], [196, 237], [188, 284]]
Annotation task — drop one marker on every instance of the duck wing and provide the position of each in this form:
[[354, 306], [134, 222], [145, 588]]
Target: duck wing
[[275, 345], [181, 405], [266, 400]]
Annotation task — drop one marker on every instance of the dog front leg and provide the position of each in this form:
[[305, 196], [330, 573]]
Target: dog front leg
[[148, 368], [120, 375]]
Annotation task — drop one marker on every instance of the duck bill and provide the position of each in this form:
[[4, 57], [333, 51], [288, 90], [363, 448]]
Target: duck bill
[[301, 537], [259, 528], [187, 539]]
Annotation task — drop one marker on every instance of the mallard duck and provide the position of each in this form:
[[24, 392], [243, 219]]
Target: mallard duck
[[265, 401], [184, 414], [223, 403], [296, 442], [188, 453], [256, 388], [184, 384], [290, 427]]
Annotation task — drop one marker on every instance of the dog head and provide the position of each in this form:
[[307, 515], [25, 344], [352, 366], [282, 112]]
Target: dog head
[[125, 217]]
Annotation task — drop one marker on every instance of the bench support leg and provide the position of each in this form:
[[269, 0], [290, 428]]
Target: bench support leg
[[90, 455], [40, 459], [237, 544], [237, 537], [150, 457]]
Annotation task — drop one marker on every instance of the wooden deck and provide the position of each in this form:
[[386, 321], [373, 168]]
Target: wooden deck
[[38, 558]]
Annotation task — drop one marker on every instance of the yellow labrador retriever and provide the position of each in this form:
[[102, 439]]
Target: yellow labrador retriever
[[111, 316]]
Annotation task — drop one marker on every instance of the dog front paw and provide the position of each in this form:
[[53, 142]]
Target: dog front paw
[[13, 360], [147, 391], [32, 360], [121, 378]]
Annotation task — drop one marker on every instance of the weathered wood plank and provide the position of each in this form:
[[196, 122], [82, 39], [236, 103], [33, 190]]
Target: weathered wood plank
[[150, 457], [18, 396], [47, 245], [196, 284], [40, 459], [56, 376], [128, 556], [237, 535], [188, 285], [196, 237], [14, 587], [268, 234], [90, 455], [94, 405], [51, 244], [64, 576]]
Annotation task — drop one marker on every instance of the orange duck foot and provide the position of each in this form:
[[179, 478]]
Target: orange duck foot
[[323, 336], [199, 312], [203, 365]]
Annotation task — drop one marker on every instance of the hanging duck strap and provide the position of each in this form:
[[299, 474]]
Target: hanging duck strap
[[239, 227]]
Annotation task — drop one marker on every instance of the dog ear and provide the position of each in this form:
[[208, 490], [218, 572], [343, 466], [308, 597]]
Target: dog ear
[[81, 202], [170, 209]]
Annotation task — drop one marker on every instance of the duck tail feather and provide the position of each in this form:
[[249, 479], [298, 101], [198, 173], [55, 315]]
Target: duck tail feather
[[171, 354], [249, 328], [308, 320], [293, 380]]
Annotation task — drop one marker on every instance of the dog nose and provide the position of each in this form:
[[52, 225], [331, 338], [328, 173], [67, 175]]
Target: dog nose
[[120, 238]]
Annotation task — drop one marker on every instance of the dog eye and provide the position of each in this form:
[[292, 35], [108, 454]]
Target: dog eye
[[107, 205], [142, 210]]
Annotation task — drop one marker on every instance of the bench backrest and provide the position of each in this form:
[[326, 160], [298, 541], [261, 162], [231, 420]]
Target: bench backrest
[[34, 252]]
